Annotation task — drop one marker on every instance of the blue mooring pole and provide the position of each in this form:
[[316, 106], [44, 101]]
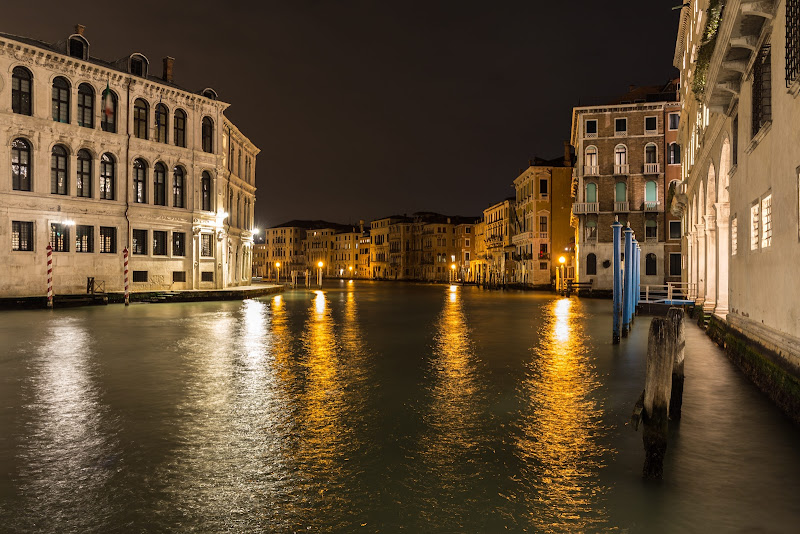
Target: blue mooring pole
[[634, 280], [628, 281], [617, 229], [638, 285]]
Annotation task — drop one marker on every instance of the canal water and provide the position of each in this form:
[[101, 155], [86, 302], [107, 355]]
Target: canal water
[[372, 407]]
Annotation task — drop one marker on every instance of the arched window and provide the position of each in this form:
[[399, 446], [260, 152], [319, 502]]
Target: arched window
[[590, 228], [140, 181], [591, 159], [84, 174], [58, 171], [650, 153], [180, 128], [674, 154], [161, 123], [138, 65], [178, 186], [650, 194], [591, 264], [591, 192], [107, 176], [208, 135], [79, 47], [205, 191], [85, 105], [21, 165], [21, 92], [650, 230], [159, 184], [61, 100], [620, 192], [210, 93], [651, 265], [140, 111], [109, 111], [620, 155]]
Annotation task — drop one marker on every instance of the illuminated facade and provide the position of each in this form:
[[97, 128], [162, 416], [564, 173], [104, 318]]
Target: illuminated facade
[[104, 156], [499, 226], [740, 201]]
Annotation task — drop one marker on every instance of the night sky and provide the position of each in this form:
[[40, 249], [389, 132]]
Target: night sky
[[365, 109]]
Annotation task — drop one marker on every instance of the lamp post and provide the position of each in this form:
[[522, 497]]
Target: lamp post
[[319, 274], [351, 271], [452, 272], [277, 272], [561, 261]]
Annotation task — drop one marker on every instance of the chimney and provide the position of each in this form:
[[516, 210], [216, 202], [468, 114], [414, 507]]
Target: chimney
[[169, 63], [79, 29], [567, 154]]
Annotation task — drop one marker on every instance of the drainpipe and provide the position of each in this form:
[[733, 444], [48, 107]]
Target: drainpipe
[[127, 163]]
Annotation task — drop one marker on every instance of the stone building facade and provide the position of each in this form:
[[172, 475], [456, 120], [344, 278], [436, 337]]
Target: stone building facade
[[620, 173], [105, 156]]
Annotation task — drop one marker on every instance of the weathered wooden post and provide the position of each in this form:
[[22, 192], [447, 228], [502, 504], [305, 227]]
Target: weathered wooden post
[[657, 392], [628, 287], [616, 228], [676, 318]]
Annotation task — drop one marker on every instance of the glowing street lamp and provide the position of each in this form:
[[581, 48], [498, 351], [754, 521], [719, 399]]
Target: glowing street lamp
[[452, 272], [562, 260], [277, 272], [319, 274], [351, 270]]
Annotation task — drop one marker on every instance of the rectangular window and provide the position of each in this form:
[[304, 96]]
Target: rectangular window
[[734, 236], [620, 126], [205, 246], [108, 240], [543, 224], [466, 256], [159, 243], [674, 263], [650, 125], [674, 120], [735, 141], [178, 276], [59, 237], [84, 238], [140, 276], [762, 89], [21, 235], [207, 276], [178, 244], [542, 265], [792, 41], [139, 245], [766, 221], [754, 226], [466, 242], [591, 128], [674, 229], [543, 187]]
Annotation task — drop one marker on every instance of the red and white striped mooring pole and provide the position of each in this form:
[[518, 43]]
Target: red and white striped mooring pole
[[49, 276], [125, 259]]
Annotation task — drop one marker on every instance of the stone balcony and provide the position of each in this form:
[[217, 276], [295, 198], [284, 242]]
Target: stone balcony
[[580, 208]]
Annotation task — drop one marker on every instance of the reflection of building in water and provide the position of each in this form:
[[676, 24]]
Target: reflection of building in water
[[559, 445]]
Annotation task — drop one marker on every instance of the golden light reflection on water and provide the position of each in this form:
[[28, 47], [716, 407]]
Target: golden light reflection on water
[[559, 443]]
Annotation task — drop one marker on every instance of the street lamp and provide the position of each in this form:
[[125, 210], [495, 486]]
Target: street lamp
[[319, 274], [562, 260], [452, 272], [277, 272], [351, 270]]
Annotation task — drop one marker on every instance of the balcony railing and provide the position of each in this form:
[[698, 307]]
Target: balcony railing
[[591, 170], [591, 135], [651, 206], [621, 207], [651, 168], [621, 169], [542, 235], [621, 134], [585, 207]]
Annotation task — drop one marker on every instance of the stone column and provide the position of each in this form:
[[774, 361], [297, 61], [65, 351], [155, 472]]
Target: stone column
[[688, 251], [195, 255], [723, 235], [711, 264], [701, 261]]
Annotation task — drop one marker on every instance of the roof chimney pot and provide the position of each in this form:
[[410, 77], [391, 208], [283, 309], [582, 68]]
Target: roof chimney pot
[[169, 64], [79, 29]]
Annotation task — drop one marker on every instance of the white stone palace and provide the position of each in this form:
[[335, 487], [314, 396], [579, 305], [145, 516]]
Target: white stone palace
[[101, 156], [740, 129]]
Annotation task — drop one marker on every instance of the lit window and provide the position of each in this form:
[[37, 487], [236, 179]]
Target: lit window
[[108, 240], [84, 238], [21, 235], [159, 243], [59, 237], [734, 236], [21, 165], [84, 174], [107, 172], [754, 226], [766, 221], [205, 246], [139, 242], [178, 187], [139, 181]]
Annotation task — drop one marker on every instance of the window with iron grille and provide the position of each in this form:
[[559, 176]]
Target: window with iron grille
[[84, 238], [205, 246], [207, 276], [734, 236], [178, 276], [762, 89], [59, 237], [792, 41], [21, 235], [140, 276], [108, 240], [754, 226], [139, 242], [159, 243]]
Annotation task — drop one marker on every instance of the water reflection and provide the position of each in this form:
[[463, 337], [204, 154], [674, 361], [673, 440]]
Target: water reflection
[[69, 453], [450, 447], [559, 444]]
